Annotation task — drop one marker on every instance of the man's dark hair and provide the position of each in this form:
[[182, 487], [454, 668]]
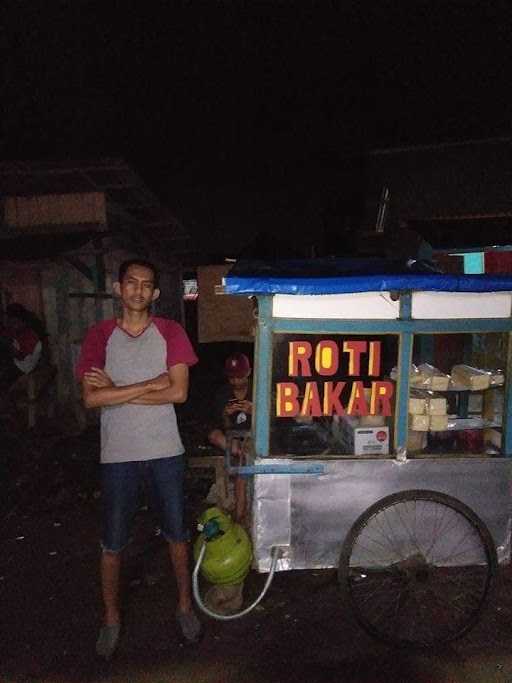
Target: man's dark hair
[[138, 262], [28, 318], [16, 311]]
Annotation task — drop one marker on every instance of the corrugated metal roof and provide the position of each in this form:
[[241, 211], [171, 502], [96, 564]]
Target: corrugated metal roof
[[131, 205], [440, 146], [454, 194]]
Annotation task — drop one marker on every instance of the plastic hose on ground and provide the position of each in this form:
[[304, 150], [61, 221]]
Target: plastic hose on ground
[[228, 617]]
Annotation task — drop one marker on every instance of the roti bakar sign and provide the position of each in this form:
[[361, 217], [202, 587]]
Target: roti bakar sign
[[323, 396]]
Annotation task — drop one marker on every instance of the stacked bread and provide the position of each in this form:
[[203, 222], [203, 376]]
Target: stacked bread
[[471, 378], [427, 412], [429, 377], [497, 378], [419, 422]]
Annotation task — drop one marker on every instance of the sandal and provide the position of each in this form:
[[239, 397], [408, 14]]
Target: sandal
[[108, 640], [190, 626]]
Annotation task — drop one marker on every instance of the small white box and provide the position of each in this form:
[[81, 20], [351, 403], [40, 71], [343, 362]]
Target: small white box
[[361, 440]]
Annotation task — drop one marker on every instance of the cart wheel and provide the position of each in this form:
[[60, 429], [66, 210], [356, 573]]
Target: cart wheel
[[418, 567]]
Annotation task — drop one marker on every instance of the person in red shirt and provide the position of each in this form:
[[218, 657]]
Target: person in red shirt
[[136, 368], [20, 345]]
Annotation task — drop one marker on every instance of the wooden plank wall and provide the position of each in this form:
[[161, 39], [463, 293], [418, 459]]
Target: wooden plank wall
[[46, 287], [34, 213], [222, 317], [21, 283], [68, 319]]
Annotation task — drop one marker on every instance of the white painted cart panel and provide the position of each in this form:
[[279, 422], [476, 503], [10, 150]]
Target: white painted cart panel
[[426, 305], [358, 306]]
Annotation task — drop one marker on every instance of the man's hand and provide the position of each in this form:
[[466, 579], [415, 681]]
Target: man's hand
[[99, 390], [245, 406], [169, 387], [231, 407], [237, 406], [98, 378], [160, 382]]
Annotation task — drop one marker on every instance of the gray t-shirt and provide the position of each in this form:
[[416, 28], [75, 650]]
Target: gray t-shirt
[[137, 432]]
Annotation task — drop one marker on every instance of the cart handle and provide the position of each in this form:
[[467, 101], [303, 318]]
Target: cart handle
[[250, 470]]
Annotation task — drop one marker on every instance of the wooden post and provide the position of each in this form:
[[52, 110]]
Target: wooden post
[[99, 276]]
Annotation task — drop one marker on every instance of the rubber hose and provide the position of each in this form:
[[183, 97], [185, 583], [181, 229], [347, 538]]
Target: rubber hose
[[227, 617]]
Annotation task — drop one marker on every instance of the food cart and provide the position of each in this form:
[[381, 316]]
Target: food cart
[[380, 445]]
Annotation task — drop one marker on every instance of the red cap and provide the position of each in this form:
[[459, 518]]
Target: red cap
[[237, 365]]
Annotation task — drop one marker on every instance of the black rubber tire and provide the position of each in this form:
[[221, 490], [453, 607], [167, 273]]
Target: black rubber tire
[[354, 582]]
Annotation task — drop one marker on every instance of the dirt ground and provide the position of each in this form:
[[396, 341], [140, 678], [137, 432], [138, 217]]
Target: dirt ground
[[302, 631]]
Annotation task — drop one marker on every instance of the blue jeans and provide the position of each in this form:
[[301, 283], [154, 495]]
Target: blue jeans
[[121, 486]]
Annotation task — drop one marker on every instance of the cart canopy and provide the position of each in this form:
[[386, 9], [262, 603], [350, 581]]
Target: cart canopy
[[339, 276]]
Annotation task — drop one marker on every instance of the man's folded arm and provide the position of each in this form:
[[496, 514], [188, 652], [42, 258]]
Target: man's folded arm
[[175, 392], [96, 396]]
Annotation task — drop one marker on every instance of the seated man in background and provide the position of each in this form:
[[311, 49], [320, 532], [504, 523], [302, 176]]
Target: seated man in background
[[232, 410], [20, 345]]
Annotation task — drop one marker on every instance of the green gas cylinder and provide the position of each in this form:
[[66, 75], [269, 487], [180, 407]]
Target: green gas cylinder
[[228, 553]]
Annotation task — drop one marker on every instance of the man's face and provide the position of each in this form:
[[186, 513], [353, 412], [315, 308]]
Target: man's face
[[137, 290], [239, 382]]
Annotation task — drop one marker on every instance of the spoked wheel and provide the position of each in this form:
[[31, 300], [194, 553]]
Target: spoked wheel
[[418, 567]]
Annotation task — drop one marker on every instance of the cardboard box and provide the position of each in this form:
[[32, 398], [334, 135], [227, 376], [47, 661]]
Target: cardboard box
[[358, 440]]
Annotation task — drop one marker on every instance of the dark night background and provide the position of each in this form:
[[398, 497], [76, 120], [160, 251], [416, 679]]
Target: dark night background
[[251, 120], [251, 116]]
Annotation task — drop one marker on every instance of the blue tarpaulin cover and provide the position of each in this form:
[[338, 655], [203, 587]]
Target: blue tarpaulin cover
[[339, 276]]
